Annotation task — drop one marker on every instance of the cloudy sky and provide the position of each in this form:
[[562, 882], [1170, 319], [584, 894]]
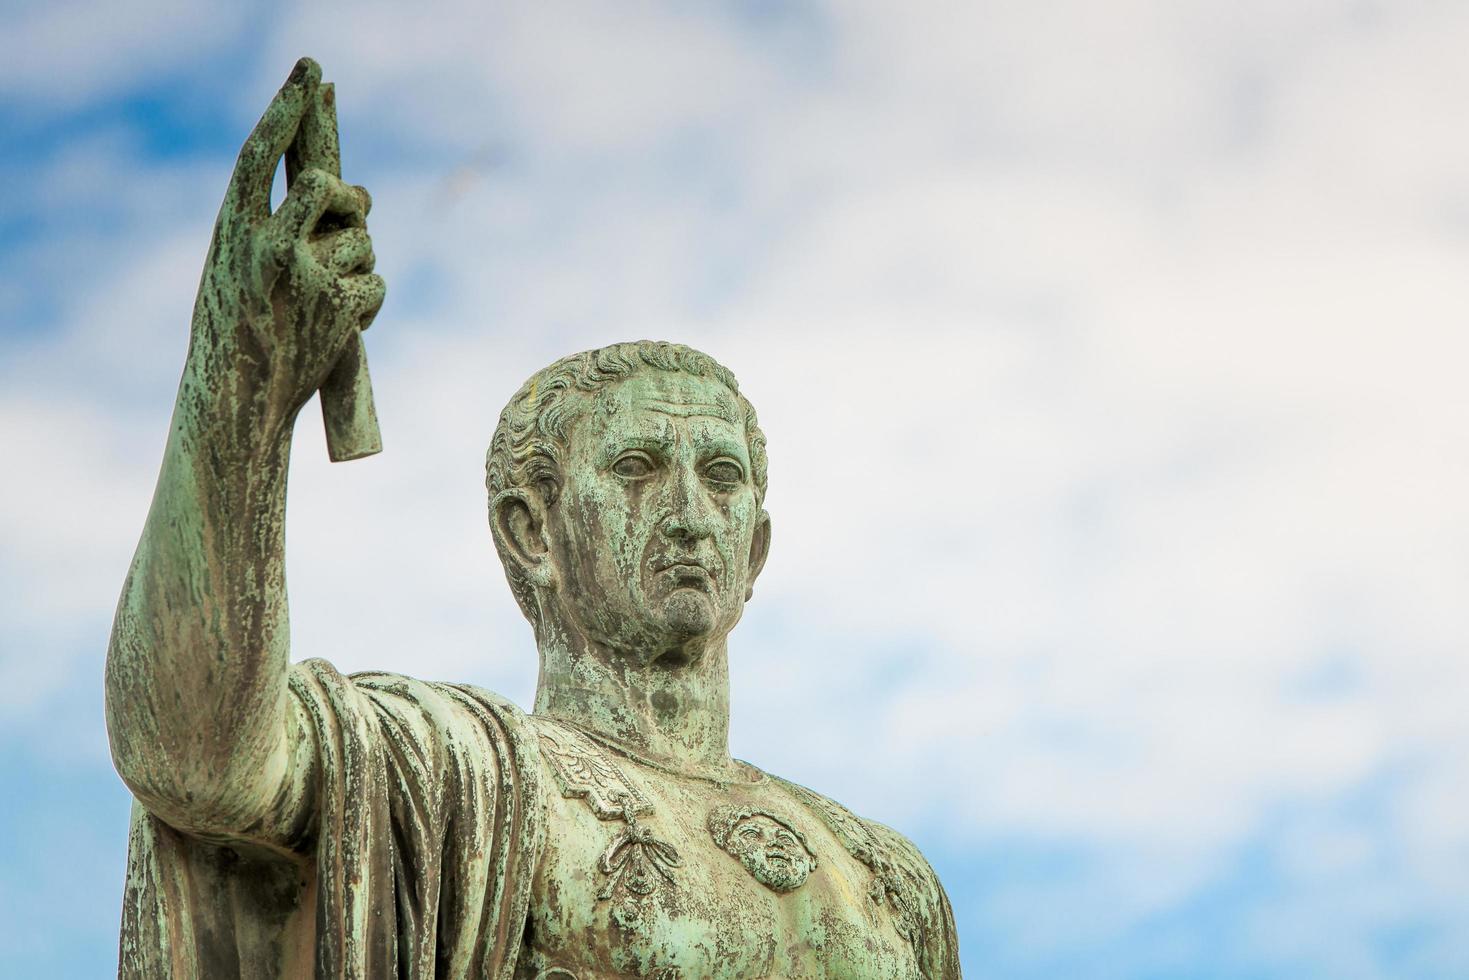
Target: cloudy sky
[[1111, 355]]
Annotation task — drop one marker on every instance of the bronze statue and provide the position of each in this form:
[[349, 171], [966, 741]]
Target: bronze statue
[[295, 822]]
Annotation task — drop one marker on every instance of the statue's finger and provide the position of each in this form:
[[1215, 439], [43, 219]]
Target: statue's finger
[[316, 198], [348, 252], [316, 144], [362, 296], [255, 169]]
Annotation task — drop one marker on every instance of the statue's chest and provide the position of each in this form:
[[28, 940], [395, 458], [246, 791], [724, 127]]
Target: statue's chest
[[651, 875]]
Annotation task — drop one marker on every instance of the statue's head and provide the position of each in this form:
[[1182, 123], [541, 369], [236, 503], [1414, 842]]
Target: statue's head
[[626, 498], [772, 850]]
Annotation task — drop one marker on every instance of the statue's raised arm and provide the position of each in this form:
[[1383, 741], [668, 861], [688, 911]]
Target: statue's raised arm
[[197, 709]]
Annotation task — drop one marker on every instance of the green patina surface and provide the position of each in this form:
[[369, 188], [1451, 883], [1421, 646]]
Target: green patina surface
[[295, 822]]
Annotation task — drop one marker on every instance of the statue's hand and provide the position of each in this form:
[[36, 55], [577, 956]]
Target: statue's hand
[[283, 293]]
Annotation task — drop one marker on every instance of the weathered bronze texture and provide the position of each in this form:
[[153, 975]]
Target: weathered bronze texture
[[295, 822]]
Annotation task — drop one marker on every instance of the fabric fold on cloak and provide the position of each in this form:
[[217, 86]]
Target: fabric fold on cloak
[[429, 825]]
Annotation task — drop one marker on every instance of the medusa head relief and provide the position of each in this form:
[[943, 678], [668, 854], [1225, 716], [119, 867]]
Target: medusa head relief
[[771, 849]]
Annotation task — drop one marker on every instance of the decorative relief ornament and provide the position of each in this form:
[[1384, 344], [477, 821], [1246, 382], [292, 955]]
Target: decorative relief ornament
[[583, 771], [771, 849], [636, 862]]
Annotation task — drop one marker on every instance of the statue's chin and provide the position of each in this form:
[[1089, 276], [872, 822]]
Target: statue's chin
[[689, 613], [779, 877]]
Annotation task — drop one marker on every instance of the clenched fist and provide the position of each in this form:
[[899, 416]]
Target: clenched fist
[[284, 294]]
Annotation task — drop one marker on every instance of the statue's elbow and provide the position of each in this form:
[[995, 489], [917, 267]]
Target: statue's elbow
[[190, 788], [182, 800], [121, 711], [139, 759]]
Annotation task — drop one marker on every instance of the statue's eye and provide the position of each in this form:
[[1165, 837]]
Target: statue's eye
[[633, 466], [750, 833], [724, 471]]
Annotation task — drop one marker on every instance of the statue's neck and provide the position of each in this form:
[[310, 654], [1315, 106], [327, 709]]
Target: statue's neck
[[674, 713]]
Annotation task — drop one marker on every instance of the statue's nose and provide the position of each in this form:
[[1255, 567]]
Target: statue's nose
[[683, 525], [689, 515]]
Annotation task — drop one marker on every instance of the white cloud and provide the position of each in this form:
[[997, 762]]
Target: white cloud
[[65, 55]]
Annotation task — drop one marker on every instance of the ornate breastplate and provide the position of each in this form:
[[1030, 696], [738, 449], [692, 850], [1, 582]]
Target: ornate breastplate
[[767, 844], [673, 850]]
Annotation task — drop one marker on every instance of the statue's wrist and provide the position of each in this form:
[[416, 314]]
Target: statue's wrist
[[229, 414]]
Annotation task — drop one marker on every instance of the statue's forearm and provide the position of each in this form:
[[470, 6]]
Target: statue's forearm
[[196, 669]]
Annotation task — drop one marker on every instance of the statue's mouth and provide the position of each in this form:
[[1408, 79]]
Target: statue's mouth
[[663, 564], [686, 573]]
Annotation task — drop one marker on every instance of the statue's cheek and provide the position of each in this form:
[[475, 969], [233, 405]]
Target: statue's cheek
[[734, 537], [615, 527]]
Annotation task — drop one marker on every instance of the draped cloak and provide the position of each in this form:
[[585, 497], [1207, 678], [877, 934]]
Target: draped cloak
[[429, 825]]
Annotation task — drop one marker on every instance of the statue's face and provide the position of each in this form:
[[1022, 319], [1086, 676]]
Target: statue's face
[[652, 532], [770, 851]]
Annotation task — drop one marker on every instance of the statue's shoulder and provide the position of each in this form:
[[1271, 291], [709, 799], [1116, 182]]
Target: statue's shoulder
[[429, 724], [435, 698], [901, 877], [874, 844]]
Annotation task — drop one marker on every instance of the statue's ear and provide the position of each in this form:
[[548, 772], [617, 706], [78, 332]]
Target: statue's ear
[[518, 521], [759, 550]]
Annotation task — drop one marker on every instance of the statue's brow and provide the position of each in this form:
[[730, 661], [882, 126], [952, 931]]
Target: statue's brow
[[640, 440], [687, 409]]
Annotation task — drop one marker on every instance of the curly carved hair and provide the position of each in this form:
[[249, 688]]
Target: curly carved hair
[[529, 448]]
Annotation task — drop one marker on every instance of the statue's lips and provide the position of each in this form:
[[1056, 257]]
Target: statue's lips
[[685, 572]]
